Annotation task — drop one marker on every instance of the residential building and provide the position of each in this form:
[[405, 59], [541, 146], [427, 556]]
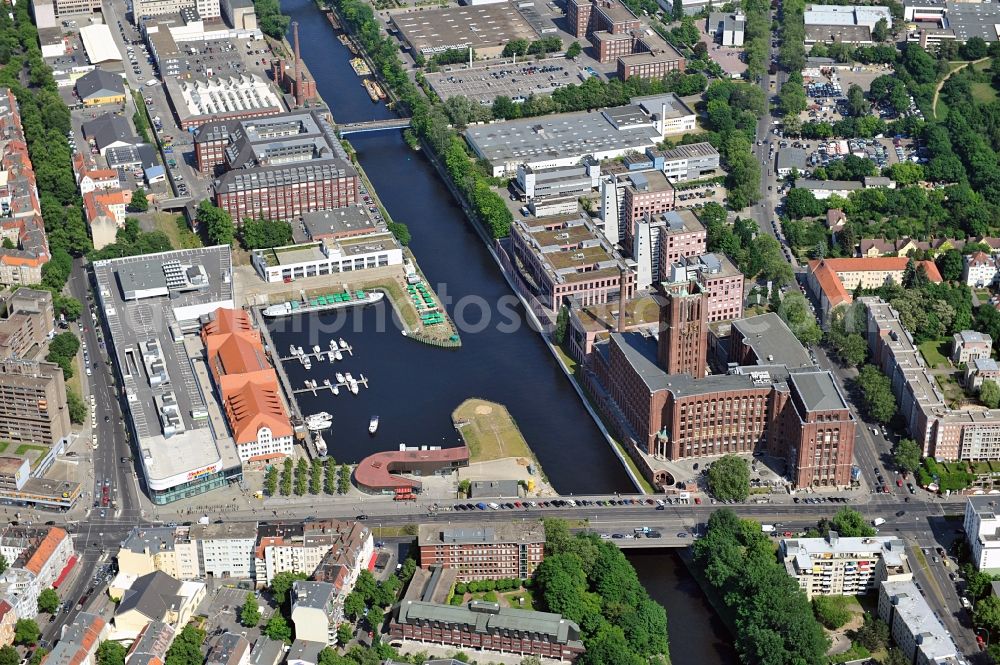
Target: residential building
[[33, 407], [247, 387], [50, 557], [847, 24], [844, 566], [14, 541], [225, 550], [20, 588], [229, 649], [566, 138], [567, 257], [151, 645], [979, 370], [146, 550], [98, 87], [79, 641], [727, 29], [303, 547], [328, 256], [968, 345], [824, 189], [914, 627], [28, 320], [267, 652], [832, 281], [156, 597], [8, 618], [945, 433], [280, 167], [304, 652], [720, 280], [501, 550], [20, 211], [422, 616], [109, 131], [317, 610], [104, 211], [980, 270], [982, 532]]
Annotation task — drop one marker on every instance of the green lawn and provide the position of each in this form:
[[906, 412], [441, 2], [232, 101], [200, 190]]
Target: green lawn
[[935, 353], [3, 446], [984, 93], [25, 447], [177, 230]]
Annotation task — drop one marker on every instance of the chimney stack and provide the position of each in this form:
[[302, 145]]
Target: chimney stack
[[298, 65], [621, 299]]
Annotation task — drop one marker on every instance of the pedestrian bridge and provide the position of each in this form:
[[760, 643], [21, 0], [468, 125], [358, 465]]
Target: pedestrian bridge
[[176, 203], [373, 126]]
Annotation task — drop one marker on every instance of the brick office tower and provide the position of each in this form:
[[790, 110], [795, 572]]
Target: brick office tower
[[819, 430], [683, 335]]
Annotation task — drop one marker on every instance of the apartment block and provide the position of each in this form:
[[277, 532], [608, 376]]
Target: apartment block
[[224, 550], [8, 619], [982, 531], [317, 610], [832, 281], [79, 641], [26, 322], [229, 649], [33, 406], [50, 557], [502, 550], [841, 566], [303, 547], [151, 645], [914, 627]]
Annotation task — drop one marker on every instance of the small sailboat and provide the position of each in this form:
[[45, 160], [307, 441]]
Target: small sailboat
[[318, 421], [332, 357], [306, 362], [373, 425], [333, 345]]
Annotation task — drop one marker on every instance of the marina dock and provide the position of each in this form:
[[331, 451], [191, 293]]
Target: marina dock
[[362, 380]]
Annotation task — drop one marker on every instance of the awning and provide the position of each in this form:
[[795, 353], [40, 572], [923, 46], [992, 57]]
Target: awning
[[65, 572], [371, 562]]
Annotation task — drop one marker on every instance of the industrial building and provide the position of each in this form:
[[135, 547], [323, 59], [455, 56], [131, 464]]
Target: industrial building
[[48, 13], [574, 180], [99, 87], [851, 24], [727, 29], [566, 138], [949, 20], [174, 419], [281, 167], [500, 550], [486, 29], [99, 45], [328, 257], [198, 101], [844, 566], [688, 162]]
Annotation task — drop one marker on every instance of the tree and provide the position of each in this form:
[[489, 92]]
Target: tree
[[950, 264], [876, 389], [37, 655], [9, 655], [264, 234], [250, 612], [729, 478], [26, 631], [282, 584], [3, 564], [989, 394], [217, 223], [186, 648], [375, 618], [110, 653], [830, 611], [678, 10], [278, 629], [873, 633], [562, 323], [400, 231], [856, 102], [850, 523], [574, 50], [907, 455], [344, 634], [987, 613], [139, 203], [48, 601], [354, 605], [974, 49], [271, 480], [795, 312], [881, 30], [77, 409]]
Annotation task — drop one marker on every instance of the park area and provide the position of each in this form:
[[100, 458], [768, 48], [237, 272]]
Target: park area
[[489, 431]]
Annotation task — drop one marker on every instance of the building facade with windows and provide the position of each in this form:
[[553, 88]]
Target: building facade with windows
[[33, 408], [501, 550], [842, 566]]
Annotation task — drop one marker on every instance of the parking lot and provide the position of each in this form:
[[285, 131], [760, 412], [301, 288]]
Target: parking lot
[[484, 84], [862, 76]]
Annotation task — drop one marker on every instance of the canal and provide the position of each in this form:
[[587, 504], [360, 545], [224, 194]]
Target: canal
[[415, 387]]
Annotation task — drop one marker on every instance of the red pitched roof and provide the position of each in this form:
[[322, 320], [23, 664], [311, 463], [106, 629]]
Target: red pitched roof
[[45, 549]]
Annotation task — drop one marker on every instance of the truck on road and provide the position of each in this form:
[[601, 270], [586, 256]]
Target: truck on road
[[767, 528], [878, 521]]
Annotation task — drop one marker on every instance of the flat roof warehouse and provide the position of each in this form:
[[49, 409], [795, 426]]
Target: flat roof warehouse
[[483, 27]]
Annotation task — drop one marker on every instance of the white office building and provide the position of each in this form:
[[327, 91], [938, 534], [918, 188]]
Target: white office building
[[982, 530]]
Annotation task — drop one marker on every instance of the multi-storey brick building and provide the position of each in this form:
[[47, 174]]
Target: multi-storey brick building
[[565, 257], [683, 341], [617, 34], [720, 279], [279, 167], [33, 403], [501, 550], [647, 194]]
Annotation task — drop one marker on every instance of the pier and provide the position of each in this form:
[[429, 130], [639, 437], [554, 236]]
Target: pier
[[362, 380], [322, 354]]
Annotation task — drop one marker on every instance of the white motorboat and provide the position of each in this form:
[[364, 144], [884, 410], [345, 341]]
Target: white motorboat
[[326, 382], [373, 425], [316, 349], [333, 345], [342, 343], [340, 377], [306, 362], [333, 356], [318, 421], [338, 355], [292, 350], [321, 446], [301, 351], [336, 390]]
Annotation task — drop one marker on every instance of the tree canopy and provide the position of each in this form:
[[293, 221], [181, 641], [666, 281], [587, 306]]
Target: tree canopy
[[729, 478], [876, 390]]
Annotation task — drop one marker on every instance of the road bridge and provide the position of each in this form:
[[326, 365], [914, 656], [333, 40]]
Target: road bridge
[[373, 126]]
